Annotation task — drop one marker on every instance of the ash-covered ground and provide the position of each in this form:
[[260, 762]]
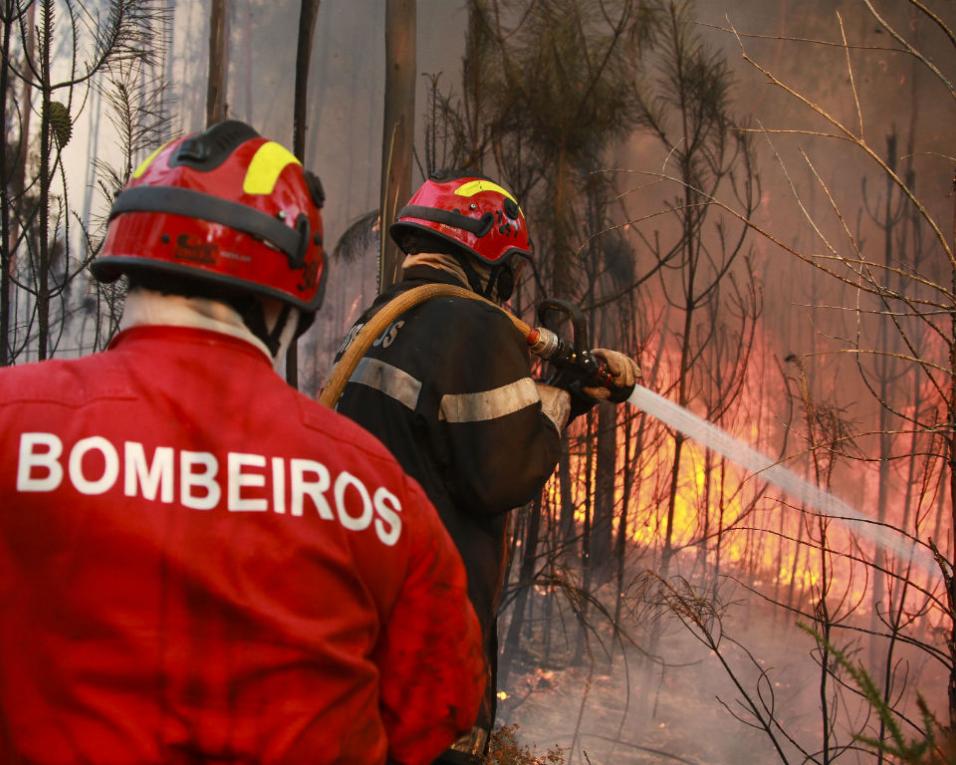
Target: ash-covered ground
[[680, 706]]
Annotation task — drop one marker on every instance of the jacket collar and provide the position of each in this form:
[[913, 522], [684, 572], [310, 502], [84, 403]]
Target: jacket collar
[[416, 275], [149, 334], [148, 307]]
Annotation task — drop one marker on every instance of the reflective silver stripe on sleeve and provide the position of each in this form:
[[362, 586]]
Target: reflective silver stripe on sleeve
[[489, 404], [390, 380], [556, 405]]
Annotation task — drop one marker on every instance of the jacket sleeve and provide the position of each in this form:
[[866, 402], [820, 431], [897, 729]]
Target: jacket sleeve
[[430, 657], [499, 445]]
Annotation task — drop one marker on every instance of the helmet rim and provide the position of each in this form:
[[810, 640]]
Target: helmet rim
[[223, 223], [400, 226], [473, 214]]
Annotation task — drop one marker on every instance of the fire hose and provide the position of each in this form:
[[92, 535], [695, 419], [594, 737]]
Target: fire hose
[[574, 357], [588, 370]]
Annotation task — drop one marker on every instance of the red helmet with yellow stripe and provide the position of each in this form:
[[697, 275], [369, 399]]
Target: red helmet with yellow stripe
[[225, 209], [471, 213]]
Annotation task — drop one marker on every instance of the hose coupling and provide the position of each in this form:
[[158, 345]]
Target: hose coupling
[[543, 342]]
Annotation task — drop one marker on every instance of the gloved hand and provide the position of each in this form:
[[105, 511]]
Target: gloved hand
[[624, 373]]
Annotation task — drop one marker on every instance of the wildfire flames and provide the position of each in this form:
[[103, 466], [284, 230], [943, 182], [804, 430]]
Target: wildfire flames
[[733, 522]]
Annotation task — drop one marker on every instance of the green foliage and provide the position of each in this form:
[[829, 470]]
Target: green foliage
[[58, 116], [69, 52], [547, 88], [559, 80], [685, 102], [571, 67], [934, 746]]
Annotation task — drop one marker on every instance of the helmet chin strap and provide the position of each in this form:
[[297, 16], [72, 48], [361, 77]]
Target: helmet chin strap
[[499, 284], [474, 279], [256, 316], [290, 331], [268, 324]]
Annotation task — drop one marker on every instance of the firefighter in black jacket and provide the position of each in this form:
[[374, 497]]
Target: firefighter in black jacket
[[447, 387]]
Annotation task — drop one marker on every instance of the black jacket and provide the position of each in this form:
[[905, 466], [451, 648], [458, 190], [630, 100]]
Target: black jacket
[[447, 388]]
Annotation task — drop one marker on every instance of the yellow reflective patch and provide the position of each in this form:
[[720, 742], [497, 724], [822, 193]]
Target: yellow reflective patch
[[149, 160], [474, 187], [266, 166]]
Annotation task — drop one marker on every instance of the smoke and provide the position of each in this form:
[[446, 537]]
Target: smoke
[[685, 703], [671, 708]]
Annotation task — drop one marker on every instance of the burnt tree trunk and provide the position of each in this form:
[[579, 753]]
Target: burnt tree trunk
[[216, 107], [46, 173], [951, 416], [525, 582], [886, 373], [566, 512], [586, 574], [303, 57], [604, 490], [562, 278], [18, 182], [620, 545], [398, 134], [6, 285]]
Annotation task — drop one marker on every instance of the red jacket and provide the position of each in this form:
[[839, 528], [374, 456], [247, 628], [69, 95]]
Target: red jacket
[[198, 563]]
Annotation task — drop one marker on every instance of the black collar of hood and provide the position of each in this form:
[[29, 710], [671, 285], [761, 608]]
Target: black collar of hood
[[417, 275]]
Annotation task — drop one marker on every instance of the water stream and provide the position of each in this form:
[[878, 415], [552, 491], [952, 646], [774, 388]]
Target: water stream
[[768, 469]]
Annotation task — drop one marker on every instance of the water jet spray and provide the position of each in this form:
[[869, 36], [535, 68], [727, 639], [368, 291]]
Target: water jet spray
[[576, 355]]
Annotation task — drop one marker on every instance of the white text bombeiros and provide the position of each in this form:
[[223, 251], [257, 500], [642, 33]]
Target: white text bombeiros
[[40, 468]]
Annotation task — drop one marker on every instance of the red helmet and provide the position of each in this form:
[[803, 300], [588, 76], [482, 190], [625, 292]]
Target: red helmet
[[473, 214], [227, 209]]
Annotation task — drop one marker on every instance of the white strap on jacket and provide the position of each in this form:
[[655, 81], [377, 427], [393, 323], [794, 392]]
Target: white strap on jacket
[[147, 307]]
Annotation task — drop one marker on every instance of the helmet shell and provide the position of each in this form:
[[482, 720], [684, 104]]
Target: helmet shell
[[226, 208], [474, 214]]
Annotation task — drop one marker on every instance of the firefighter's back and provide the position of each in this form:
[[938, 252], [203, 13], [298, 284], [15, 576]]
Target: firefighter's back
[[196, 561]]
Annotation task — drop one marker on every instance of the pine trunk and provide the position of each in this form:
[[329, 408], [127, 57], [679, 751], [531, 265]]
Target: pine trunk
[[399, 129], [216, 107], [604, 490]]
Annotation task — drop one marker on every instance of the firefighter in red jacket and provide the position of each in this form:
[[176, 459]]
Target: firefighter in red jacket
[[197, 563], [448, 387]]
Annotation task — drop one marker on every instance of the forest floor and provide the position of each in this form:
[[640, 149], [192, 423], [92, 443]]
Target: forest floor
[[643, 712], [658, 720]]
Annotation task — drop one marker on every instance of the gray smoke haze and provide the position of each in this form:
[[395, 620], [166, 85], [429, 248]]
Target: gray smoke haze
[[678, 708], [675, 709]]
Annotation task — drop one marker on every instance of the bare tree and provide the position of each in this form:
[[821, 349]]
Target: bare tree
[[398, 134], [39, 252], [12, 161], [308, 13], [906, 305], [216, 106], [688, 112]]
